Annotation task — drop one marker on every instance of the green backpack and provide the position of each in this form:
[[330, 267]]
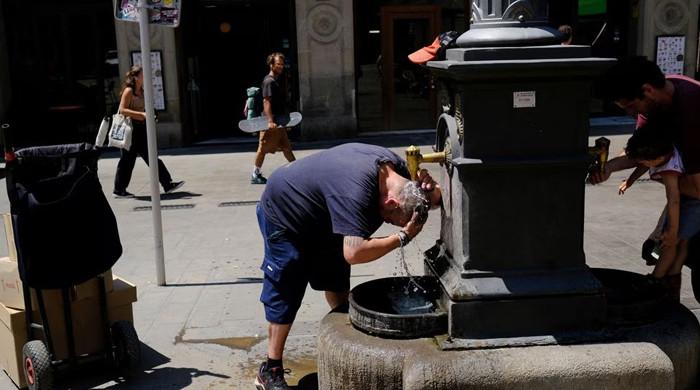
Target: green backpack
[[253, 105]]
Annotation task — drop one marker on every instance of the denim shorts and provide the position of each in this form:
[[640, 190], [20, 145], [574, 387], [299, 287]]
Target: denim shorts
[[689, 224], [289, 265]]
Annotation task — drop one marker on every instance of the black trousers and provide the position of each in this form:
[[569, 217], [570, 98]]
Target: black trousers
[[139, 147]]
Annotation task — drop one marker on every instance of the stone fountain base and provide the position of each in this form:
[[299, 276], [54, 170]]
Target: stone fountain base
[[661, 355]]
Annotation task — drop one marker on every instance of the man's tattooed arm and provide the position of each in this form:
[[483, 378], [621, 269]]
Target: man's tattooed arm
[[358, 250]]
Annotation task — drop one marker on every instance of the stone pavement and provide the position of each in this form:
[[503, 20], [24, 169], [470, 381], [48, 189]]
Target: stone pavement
[[206, 329]]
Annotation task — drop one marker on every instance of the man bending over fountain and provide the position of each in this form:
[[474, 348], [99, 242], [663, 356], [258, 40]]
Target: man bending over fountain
[[317, 216]]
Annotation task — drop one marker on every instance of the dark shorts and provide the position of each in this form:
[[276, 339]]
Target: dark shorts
[[289, 265], [689, 222]]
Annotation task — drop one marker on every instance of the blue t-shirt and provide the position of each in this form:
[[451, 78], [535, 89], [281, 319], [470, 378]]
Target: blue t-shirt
[[335, 191]]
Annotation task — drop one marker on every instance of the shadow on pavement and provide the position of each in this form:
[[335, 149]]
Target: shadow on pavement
[[309, 382], [170, 196], [233, 282], [90, 377]]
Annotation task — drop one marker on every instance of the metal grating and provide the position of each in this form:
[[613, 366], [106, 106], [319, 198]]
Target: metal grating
[[239, 203], [167, 207]]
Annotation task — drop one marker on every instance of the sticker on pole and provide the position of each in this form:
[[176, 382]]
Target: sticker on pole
[[524, 99], [160, 12]]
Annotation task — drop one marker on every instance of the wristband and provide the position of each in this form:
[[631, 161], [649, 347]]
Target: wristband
[[404, 238]]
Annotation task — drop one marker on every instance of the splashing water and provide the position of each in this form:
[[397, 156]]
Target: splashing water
[[412, 285]]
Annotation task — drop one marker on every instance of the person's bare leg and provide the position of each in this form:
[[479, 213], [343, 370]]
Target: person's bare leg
[[336, 299], [666, 261], [260, 155], [681, 255], [277, 334], [289, 155]]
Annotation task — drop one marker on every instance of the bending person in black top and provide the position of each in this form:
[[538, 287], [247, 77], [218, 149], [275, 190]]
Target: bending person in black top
[[317, 216]]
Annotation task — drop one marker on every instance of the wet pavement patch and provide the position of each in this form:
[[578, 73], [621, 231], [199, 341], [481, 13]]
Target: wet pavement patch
[[245, 343]]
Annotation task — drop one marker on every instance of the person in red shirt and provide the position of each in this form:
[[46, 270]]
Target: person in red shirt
[[638, 86]]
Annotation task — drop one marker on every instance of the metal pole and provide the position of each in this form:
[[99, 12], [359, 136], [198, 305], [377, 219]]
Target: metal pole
[[152, 143]]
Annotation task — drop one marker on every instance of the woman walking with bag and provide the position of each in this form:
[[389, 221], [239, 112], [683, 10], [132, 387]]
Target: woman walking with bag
[[132, 105]]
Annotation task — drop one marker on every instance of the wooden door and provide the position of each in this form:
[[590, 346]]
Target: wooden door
[[408, 99]]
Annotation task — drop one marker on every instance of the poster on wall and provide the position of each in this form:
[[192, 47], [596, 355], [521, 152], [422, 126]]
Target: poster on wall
[[157, 72], [160, 12], [670, 53]]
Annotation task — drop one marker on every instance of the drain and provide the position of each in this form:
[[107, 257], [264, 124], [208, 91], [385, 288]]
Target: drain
[[167, 207], [239, 203]]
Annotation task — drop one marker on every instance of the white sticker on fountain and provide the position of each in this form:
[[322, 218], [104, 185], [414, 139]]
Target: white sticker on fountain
[[524, 99]]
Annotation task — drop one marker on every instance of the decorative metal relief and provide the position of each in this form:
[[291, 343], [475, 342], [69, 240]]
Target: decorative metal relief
[[672, 16], [444, 98], [324, 23], [520, 10], [490, 11], [459, 117]]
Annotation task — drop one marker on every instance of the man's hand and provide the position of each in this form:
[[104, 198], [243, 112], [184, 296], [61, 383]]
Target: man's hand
[[624, 187], [599, 177], [430, 186], [413, 227], [271, 125], [425, 180]]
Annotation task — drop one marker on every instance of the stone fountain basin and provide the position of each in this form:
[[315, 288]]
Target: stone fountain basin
[[396, 308]]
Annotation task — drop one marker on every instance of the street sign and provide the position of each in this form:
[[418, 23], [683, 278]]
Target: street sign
[[160, 12]]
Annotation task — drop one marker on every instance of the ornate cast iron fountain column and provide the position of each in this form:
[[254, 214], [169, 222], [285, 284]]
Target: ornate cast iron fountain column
[[509, 23], [510, 256]]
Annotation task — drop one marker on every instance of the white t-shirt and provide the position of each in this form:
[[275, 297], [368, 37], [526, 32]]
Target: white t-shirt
[[674, 164]]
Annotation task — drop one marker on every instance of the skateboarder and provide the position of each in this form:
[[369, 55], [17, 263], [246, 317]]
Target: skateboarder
[[275, 138]]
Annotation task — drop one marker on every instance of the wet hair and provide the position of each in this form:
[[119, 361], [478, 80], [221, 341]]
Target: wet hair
[[410, 197], [566, 32], [626, 78], [131, 76], [649, 142], [273, 57]]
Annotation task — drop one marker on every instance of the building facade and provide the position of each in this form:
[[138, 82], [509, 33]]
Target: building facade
[[348, 72]]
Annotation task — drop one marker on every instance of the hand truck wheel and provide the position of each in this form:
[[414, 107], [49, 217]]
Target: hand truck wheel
[[37, 365]]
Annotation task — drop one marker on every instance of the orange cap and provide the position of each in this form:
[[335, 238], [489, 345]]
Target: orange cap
[[425, 54]]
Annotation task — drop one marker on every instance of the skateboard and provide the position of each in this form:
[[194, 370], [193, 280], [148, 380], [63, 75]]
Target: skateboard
[[260, 123]]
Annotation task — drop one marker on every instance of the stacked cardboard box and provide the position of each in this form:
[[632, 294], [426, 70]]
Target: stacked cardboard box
[[88, 326]]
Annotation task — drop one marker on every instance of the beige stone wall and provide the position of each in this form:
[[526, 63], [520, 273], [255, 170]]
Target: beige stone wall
[[669, 17], [326, 68], [170, 131]]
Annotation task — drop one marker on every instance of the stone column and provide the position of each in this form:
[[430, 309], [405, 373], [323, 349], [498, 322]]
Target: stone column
[[669, 17], [169, 127], [4, 71], [326, 68]]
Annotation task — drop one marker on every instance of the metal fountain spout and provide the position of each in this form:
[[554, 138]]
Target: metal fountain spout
[[414, 158], [599, 152]]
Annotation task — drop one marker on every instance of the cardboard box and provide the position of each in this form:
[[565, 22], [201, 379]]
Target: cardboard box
[[87, 320], [87, 326], [10, 235], [13, 335], [12, 295]]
